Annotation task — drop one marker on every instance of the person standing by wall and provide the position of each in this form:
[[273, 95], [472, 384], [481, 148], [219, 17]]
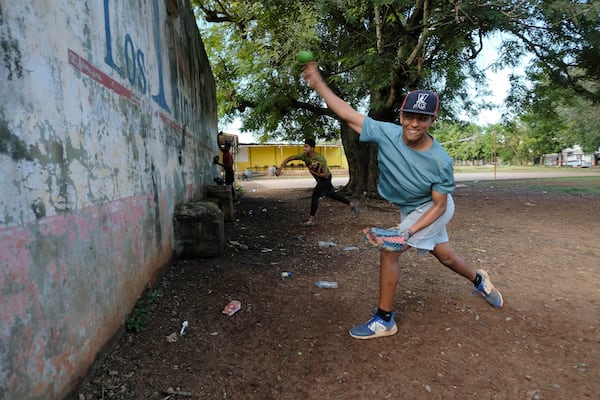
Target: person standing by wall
[[317, 166], [227, 165]]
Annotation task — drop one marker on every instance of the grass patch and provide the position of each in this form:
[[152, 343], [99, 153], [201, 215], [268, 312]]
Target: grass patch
[[584, 185], [140, 314], [516, 168]]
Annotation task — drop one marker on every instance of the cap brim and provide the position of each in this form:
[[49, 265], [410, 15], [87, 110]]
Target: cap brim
[[411, 111]]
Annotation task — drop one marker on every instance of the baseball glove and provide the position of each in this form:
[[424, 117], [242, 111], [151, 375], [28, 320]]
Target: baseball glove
[[316, 167], [387, 239]]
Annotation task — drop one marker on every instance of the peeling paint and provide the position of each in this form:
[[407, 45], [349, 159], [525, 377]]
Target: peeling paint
[[12, 57], [12, 145], [107, 121]]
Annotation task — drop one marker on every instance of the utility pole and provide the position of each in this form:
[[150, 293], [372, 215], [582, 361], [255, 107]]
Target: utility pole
[[494, 153]]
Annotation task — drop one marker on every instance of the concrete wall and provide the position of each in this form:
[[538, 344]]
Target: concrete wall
[[107, 121]]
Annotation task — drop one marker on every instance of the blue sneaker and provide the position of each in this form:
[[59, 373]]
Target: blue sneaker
[[488, 291], [375, 327]]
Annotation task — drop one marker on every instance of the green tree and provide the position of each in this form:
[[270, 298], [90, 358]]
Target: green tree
[[568, 58], [371, 53], [562, 105], [559, 117], [582, 123], [457, 139]]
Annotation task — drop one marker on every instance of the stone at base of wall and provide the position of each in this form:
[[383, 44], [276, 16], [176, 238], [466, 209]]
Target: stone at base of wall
[[199, 230], [222, 196]]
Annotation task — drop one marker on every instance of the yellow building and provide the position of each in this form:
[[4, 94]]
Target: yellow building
[[260, 157]]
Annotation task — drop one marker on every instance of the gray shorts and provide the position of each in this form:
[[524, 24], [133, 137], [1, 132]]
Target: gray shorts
[[426, 239]]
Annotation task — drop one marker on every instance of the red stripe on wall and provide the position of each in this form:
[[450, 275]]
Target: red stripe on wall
[[85, 67], [88, 69]]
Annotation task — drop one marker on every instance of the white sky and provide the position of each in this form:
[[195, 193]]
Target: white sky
[[497, 82]]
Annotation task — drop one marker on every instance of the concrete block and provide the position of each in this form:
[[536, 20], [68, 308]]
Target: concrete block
[[222, 196], [199, 230]]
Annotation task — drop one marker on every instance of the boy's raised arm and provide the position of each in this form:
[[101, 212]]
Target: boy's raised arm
[[313, 77]]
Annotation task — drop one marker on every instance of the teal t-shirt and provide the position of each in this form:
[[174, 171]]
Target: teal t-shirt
[[407, 176]]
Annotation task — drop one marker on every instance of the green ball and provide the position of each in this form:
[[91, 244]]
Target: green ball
[[304, 56]]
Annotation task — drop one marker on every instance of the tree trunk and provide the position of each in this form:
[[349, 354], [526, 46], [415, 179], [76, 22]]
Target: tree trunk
[[362, 164], [362, 157]]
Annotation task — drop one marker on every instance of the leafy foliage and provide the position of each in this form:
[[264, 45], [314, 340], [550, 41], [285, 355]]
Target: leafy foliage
[[371, 52]]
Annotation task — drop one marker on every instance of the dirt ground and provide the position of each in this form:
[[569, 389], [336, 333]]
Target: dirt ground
[[290, 339]]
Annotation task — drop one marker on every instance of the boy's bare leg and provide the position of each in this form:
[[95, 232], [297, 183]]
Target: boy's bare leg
[[448, 257], [389, 276]]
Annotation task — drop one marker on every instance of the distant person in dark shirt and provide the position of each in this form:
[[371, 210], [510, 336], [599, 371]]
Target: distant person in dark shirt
[[317, 165], [227, 165]]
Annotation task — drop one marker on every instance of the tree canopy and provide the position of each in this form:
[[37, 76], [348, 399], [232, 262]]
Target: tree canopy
[[371, 52]]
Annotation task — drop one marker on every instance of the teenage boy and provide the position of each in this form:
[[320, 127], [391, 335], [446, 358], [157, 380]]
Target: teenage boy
[[415, 174]]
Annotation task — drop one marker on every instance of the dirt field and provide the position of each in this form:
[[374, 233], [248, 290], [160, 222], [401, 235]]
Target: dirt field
[[290, 339]]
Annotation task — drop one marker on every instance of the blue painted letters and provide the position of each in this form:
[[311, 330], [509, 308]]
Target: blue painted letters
[[135, 68]]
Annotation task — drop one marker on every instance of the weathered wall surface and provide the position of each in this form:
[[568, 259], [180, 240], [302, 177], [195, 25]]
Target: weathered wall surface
[[107, 121]]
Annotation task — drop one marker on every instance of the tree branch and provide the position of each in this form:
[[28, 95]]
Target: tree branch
[[324, 111]]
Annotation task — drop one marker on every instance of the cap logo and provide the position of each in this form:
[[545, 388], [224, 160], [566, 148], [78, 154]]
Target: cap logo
[[421, 102]]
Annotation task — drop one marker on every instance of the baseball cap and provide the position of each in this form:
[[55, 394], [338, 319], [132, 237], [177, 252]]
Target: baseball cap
[[421, 102]]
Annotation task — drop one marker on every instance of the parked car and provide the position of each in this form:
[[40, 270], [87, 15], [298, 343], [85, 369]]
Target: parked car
[[578, 163]]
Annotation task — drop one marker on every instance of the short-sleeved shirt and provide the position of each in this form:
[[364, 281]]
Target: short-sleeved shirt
[[407, 176], [316, 157], [227, 161]]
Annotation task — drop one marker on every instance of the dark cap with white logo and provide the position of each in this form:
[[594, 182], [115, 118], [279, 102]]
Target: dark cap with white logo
[[421, 102]]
